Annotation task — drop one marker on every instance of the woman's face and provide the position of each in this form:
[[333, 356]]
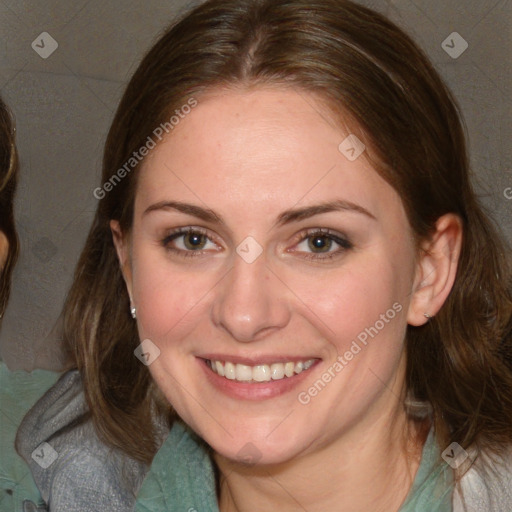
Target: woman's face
[[4, 254], [261, 245], [4, 249]]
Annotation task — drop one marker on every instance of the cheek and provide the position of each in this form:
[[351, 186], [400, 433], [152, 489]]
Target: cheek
[[167, 298], [345, 302], [360, 312]]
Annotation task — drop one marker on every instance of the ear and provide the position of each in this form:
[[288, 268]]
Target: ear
[[121, 243], [4, 250], [436, 269]]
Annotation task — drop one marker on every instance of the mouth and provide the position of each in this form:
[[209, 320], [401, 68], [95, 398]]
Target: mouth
[[258, 373], [258, 378]]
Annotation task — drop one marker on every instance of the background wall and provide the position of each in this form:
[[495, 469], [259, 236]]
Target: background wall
[[63, 67]]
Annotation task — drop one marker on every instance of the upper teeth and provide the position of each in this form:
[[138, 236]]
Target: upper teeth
[[260, 372]]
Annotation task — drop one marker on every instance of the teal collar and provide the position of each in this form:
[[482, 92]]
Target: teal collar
[[181, 476], [432, 488]]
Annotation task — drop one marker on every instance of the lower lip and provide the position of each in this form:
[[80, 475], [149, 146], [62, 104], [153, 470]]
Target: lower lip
[[256, 390]]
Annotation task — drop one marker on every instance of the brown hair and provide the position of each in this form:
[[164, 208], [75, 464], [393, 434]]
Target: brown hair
[[365, 68], [8, 182]]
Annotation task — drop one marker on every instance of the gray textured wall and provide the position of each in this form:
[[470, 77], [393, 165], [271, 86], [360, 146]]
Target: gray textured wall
[[64, 103]]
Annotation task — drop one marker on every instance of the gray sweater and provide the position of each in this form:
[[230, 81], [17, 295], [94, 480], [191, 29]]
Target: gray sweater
[[73, 469]]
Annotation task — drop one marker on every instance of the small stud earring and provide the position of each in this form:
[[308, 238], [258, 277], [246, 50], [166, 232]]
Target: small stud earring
[[133, 311], [427, 316]]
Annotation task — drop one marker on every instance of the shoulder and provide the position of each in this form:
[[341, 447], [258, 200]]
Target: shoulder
[[73, 469], [19, 390], [487, 485]]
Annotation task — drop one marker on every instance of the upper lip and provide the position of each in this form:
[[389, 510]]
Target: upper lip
[[254, 361]]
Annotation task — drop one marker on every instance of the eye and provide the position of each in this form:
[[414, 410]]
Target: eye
[[322, 244], [188, 242]]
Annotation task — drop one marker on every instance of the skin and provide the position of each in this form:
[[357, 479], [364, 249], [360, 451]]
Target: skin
[[4, 249], [4, 253], [248, 156]]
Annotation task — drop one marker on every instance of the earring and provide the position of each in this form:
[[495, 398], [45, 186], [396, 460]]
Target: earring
[[427, 316], [133, 311]]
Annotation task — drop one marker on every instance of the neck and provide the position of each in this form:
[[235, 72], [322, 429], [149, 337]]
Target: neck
[[369, 468]]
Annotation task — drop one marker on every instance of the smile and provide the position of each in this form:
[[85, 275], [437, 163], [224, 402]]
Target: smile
[[260, 372]]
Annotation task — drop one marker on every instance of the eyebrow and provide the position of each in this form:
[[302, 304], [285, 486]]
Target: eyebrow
[[298, 214], [286, 217], [196, 211]]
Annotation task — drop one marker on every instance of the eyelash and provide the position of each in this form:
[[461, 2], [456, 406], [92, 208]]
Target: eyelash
[[181, 232], [343, 242]]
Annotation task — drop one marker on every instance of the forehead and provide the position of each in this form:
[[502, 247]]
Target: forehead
[[265, 147]]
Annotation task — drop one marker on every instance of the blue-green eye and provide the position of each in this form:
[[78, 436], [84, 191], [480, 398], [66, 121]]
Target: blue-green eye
[[188, 242], [194, 241], [322, 244]]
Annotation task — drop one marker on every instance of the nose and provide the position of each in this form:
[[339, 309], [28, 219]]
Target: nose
[[251, 301]]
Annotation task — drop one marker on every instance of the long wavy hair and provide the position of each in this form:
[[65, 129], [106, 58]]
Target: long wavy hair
[[8, 182], [365, 69]]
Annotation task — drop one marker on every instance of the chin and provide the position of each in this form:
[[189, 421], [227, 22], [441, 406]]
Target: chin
[[253, 449]]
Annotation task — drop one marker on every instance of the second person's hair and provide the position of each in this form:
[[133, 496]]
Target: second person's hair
[[8, 182]]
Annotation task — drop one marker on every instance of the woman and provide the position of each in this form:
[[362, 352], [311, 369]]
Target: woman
[[288, 269], [19, 390], [8, 180]]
